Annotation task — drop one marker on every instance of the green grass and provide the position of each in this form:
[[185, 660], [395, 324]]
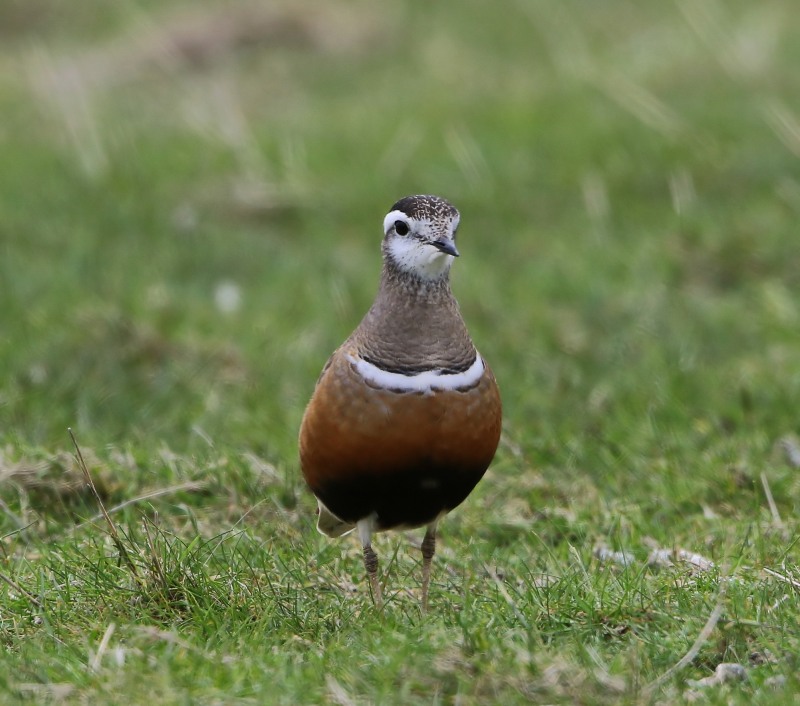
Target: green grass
[[629, 184]]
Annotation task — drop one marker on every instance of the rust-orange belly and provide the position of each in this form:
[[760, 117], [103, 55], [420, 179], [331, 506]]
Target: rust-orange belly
[[406, 456]]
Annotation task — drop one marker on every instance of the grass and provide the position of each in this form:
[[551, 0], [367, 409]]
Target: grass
[[190, 204]]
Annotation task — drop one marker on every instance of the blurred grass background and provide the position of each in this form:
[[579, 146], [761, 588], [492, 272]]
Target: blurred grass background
[[190, 207]]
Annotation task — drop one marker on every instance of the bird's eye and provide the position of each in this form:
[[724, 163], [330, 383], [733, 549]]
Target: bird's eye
[[401, 227]]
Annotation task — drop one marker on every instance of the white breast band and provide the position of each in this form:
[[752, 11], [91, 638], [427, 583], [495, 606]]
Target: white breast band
[[429, 381]]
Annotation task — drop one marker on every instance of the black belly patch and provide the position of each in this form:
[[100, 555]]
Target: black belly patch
[[399, 499]]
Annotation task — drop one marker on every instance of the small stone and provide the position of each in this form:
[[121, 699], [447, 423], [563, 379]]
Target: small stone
[[792, 450], [757, 658], [608, 556], [228, 297], [777, 682], [730, 671], [725, 672]]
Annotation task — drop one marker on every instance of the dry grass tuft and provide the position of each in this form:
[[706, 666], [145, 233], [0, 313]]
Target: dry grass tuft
[[195, 39], [56, 475]]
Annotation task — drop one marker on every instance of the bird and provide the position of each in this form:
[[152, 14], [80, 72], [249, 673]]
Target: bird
[[405, 416]]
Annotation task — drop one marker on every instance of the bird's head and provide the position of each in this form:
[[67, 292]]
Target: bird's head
[[420, 236]]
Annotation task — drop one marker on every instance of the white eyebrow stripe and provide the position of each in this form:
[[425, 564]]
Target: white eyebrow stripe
[[429, 381], [393, 216]]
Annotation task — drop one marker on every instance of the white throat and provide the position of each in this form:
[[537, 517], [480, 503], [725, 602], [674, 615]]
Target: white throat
[[418, 258]]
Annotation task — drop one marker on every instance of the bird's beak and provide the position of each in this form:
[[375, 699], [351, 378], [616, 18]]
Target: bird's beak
[[446, 246]]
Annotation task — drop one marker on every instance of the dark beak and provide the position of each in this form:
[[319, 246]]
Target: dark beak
[[446, 246]]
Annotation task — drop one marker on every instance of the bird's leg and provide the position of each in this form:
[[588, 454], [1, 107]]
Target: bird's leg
[[371, 565], [365, 529], [428, 550]]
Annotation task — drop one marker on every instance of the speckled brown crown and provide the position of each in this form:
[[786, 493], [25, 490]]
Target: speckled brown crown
[[428, 207]]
